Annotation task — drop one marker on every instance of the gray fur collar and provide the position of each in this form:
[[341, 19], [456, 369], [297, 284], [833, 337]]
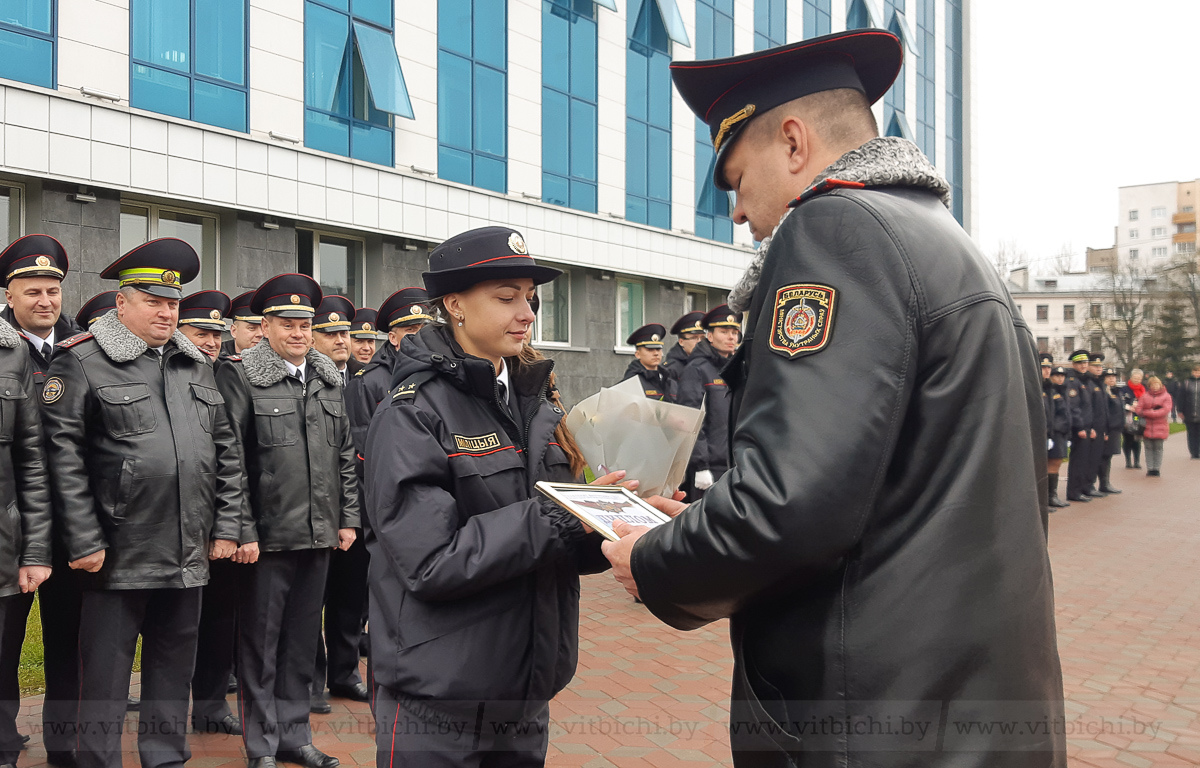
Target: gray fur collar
[[881, 162], [10, 338], [264, 367], [121, 345]]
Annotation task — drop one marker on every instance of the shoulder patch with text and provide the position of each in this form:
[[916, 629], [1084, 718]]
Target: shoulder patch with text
[[803, 319], [476, 444]]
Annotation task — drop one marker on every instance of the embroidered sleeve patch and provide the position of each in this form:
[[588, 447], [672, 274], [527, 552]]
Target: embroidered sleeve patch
[[53, 390], [803, 319], [476, 444]]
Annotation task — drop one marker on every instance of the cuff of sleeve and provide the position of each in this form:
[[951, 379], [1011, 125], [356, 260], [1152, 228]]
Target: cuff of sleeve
[[568, 527]]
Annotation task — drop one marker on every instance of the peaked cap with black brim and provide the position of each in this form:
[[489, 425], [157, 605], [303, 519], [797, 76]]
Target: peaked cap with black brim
[[727, 93]]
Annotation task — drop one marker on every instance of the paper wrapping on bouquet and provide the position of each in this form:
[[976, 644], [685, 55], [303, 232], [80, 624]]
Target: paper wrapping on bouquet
[[620, 428]]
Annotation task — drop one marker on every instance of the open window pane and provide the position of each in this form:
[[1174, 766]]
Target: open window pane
[[326, 34], [382, 65]]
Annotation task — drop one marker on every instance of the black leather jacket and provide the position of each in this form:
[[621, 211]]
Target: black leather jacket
[[143, 461], [24, 495], [300, 482], [659, 384], [64, 329], [701, 383], [474, 575], [885, 557]]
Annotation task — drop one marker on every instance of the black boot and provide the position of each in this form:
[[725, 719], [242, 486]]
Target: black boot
[[1105, 475], [1055, 502]]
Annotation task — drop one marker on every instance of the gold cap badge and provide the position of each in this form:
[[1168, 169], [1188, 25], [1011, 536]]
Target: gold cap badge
[[215, 315], [366, 326], [43, 261], [170, 278], [295, 299], [334, 317], [517, 244]]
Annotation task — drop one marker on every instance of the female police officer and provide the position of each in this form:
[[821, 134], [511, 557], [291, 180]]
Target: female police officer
[[474, 576]]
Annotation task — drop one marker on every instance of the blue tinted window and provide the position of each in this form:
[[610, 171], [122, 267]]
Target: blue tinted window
[[569, 103], [353, 85], [770, 23], [648, 112], [473, 92], [817, 18], [954, 107], [26, 57], [188, 59], [714, 39], [926, 80], [857, 16], [896, 98]]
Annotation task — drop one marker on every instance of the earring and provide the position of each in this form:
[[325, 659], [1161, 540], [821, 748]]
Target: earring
[[460, 321]]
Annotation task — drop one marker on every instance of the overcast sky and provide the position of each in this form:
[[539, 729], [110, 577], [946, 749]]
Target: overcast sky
[[1074, 99]]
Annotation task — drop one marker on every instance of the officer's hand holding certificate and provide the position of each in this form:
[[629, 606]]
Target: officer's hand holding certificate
[[601, 506]]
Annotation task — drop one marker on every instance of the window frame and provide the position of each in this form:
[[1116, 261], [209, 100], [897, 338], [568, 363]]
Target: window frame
[[816, 12], [619, 344], [571, 178], [316, 233], [1043, 313], [1133, 214], [192, 76], [1135, 233], [1068, 313], [537, 325], [16, 217], [1159, 252], [154, 212], [1157, 232], [711, 224], [49, 37], [1158, 212], [764, 39], [689, 293], [638, 47]]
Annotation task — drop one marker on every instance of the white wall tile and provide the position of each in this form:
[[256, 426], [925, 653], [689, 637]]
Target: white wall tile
[[272, 112], [252, 189], [26, 148], [339, 205], [276, 31], [282, 162], [339, 175], [71, 118], [185, 177], [185, 141], [415, 191], [311, 169], [95, 23], [366, 211], [282, 195], [110, 126], [365, 181], [87, 66], [391, 186], [311, 201], [280, 75], [28, 109], [148, 170], [70, 156], [148, 134], [220, 149], [251, 156], [220, 183], [391, 215], [414, 218], [110, 164], [436, 225]]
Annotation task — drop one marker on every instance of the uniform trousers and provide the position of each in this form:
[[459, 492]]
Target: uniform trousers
[[1193, 438], [215, 648], [1099, 448], [1078, 465], [279, 619], [59, 602], [110, 622], [413, 734], [345, 604], [14, 610]]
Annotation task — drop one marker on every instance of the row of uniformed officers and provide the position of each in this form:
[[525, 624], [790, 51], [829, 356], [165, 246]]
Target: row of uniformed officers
[[1085, 413]]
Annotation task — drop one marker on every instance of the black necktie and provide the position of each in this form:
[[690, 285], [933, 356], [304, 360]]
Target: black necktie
[[504, 397], [47, 350]]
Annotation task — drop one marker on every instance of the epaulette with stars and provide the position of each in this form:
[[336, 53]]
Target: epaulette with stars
[[76, 339], [826, 185]]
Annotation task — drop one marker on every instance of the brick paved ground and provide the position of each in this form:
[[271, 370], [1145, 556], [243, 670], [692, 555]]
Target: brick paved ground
[[1127, 572]]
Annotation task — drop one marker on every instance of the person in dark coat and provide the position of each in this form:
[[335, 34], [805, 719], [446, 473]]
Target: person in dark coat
[[1172, 385], [364, 334], [1079, 400], [285, 402], [1115, 413], [346, 582], [883, 557], [245, 327], [201, 320], [24, 526], [32, 269], [1058, 426], [658, 382], [147, 488], [474, 575], [690, 332], [1099, 448], [1131, 439], [702, 384], [1188, 409]]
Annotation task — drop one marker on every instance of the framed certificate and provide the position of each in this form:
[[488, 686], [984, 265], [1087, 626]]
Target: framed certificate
[[599, 505]]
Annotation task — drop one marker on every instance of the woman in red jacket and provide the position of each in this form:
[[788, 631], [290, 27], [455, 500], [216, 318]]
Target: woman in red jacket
[[1155, 409]]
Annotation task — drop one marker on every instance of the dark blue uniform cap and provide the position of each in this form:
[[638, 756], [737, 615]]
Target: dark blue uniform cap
[[1047, 359], [159, 267], [689, 323], [648, 336], [288, 295], [1058, 371], [239, 308], [365, 324], [727, 93], [1097, 358], [205, 309], [722, 317], [95, 308], [33, 256], [407, 306], [334, 314], [488, 253]]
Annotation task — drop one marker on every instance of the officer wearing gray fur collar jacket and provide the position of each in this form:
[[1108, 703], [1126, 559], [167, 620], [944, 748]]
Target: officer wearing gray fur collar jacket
[[285, 402], [146, 489]]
